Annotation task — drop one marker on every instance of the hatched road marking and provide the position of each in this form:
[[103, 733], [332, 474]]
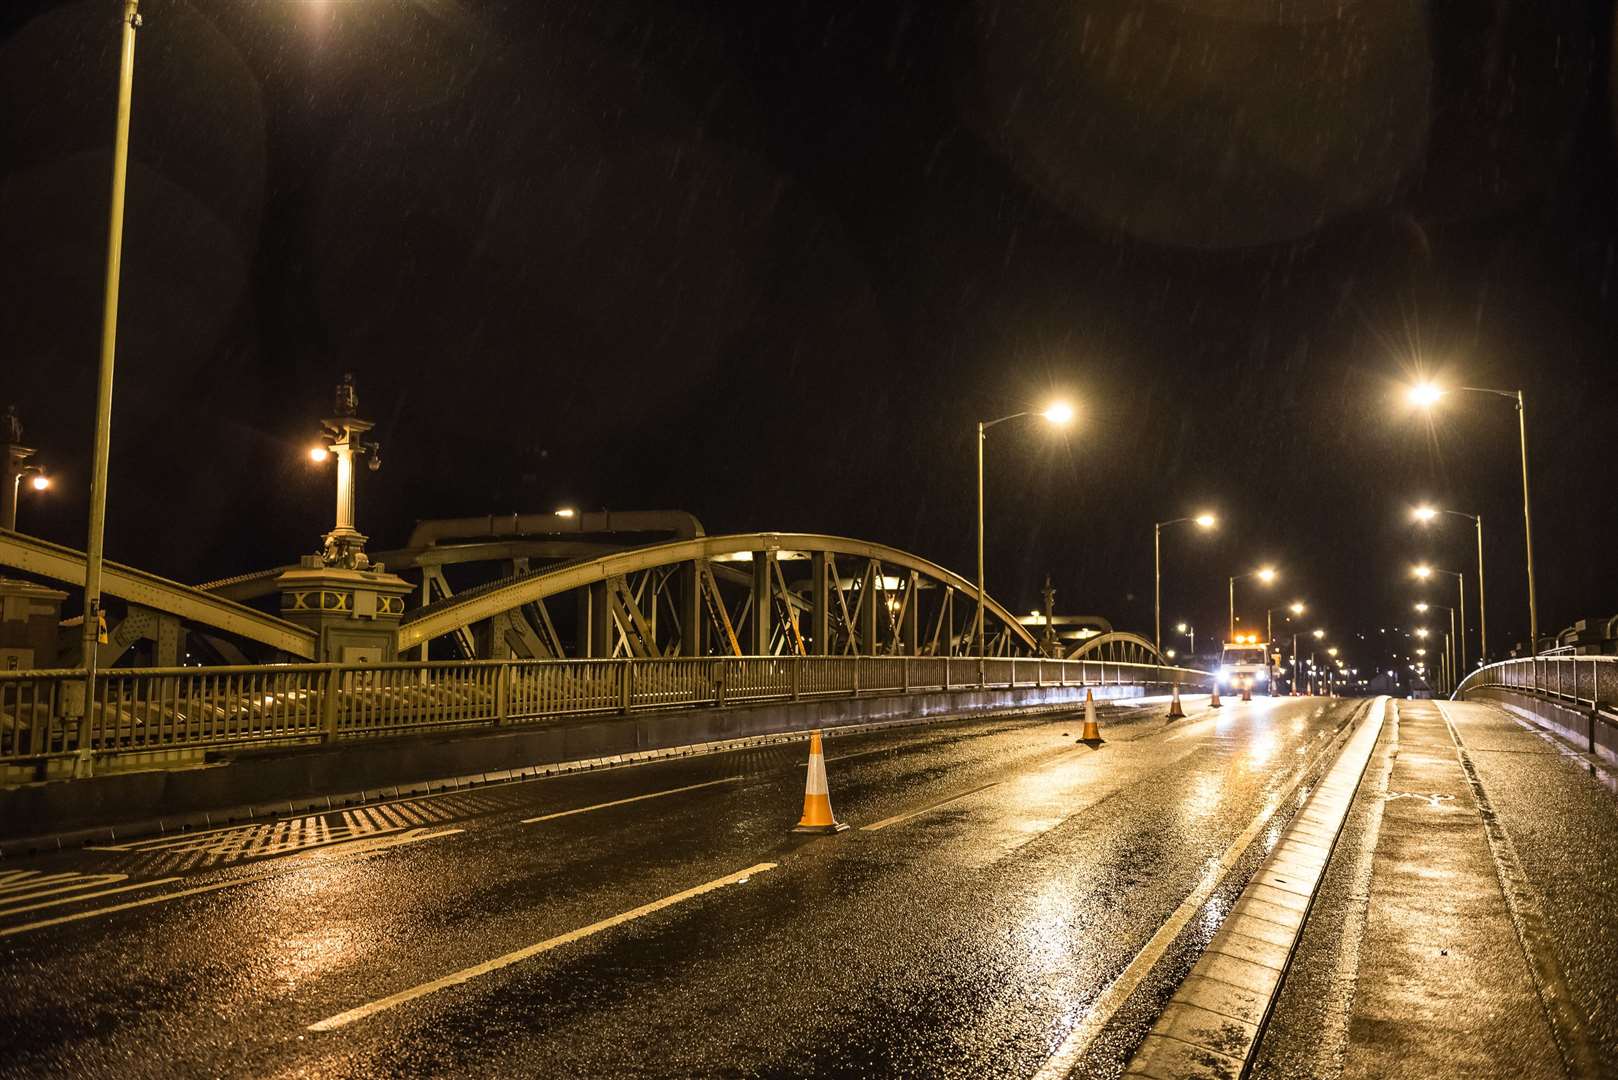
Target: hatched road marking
[[357, 847], [343, 1019]]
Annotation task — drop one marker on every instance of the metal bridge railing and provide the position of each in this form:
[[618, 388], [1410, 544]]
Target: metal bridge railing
[[160, 709], [1589, 682]]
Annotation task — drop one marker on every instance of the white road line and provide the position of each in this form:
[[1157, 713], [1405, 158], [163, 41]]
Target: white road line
[[79, 897], [631, 799], [1118, 991], [394, 841], [83, 881], [343, 1019], [908, 814]]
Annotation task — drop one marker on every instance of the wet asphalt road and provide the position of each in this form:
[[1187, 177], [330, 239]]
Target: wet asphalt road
[[965, 940]]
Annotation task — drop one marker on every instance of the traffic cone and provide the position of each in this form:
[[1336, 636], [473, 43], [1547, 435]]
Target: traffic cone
[[817, 815], [1175, 711], [1213, 698], [1092, 730]]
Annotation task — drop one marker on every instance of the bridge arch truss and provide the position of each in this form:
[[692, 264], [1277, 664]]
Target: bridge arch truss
[[749, 594]]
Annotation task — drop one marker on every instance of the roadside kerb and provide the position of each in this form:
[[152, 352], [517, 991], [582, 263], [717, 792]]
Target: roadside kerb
[[1215, 1019], [128, 826]]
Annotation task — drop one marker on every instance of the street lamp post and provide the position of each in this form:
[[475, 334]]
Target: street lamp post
[[1059, 413], [16, 456], [1191, 632], [1296, 607], [1426, 395], [1425, 514], [1424, 572], [1202, 521], [1449, 642], [1266, 574], [109, 337]]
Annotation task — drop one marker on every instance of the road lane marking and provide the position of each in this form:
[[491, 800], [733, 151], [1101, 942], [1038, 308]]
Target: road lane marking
[[57, 884], [343, 1019], [363, 846], [908, 814], [81, 896], [1128, 981], [631, 799]]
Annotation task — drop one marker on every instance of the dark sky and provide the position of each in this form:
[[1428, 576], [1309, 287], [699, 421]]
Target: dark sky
[[770, 262]]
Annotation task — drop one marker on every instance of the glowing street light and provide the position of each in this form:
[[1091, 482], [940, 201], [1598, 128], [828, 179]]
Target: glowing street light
[[566, 512], [1202, 521], [319, 454], [1189, 631], [1265, 574], [1426, 395], [1057, 413], [1426, 515], [1425, 572]]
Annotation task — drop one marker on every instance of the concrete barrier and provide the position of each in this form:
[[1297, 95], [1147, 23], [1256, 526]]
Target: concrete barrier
[[1590, 730], [236, 785]]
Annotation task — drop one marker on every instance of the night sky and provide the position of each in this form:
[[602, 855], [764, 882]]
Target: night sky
[[770, 262]]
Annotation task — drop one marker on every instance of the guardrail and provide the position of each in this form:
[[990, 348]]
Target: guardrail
[[154, 709], [1589, 682]]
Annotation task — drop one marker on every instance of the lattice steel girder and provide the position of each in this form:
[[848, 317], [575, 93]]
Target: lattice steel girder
[[443, 618], [35, 556]]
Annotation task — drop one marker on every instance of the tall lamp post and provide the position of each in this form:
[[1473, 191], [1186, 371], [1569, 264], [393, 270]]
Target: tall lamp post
[[1449, 638], [1427, 395], [1202, 521], [130, 22], [1190, 632], [1296, 608], [1424, 572], [1059, 413], [16, 456], [1266, 574], [1425, 514]]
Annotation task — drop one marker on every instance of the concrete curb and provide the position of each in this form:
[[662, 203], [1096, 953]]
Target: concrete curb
[[71, 813]]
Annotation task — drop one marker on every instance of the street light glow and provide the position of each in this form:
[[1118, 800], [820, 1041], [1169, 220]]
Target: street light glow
[[565, 512], [1267, 574], [318, 454], [1058, 412], [1180, 627], [1421, 632], [40, 482], [1296, 607], [1424, 514], [1319, 634], [1424, 394], [1422, 605], [1206, 521]]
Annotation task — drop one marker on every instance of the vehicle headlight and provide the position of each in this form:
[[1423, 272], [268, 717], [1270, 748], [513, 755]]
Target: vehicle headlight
[[1262, 676]]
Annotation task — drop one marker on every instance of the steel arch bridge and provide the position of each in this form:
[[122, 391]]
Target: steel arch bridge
[[1120, 646], [747, 594]]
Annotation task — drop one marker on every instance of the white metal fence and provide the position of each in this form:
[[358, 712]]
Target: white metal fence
[[152, 709], [1590, 682]]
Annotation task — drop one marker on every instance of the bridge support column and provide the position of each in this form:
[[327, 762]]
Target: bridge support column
[[820, 596], [870, 597], [690, 600], [758, 642], [355, 612], [597, 621], [910, 619]]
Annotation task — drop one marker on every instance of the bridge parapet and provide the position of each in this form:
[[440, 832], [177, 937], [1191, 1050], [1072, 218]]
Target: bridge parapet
[[143, 714], [1577, 695]]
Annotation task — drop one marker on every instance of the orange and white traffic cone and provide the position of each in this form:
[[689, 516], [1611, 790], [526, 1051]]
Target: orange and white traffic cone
[[1176, 712], [1092, 730], [817, 815], [1213, 699]]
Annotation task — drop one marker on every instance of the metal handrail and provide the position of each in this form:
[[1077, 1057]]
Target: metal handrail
[[142, 710], [1589, 682]]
